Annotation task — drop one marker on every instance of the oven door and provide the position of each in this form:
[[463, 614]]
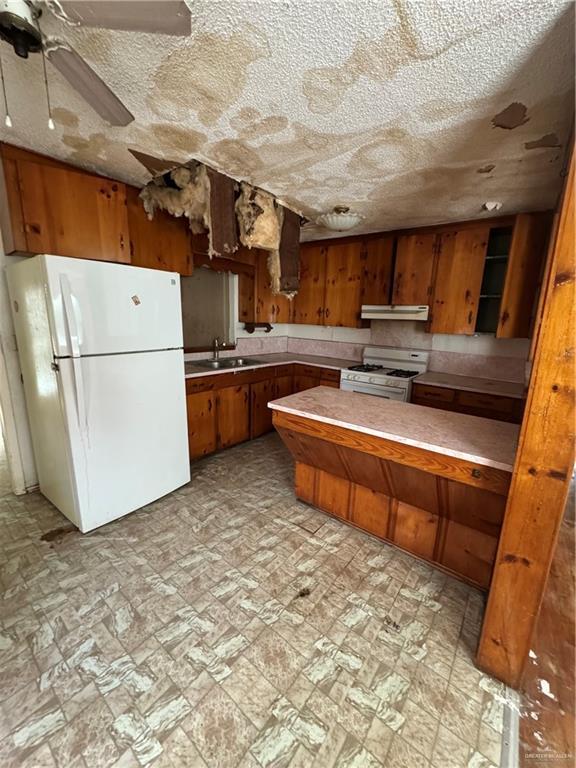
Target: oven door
[[388, 393]]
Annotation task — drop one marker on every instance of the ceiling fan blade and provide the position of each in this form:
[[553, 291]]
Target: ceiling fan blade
[[164, 17], [154, 165], [88, 84]]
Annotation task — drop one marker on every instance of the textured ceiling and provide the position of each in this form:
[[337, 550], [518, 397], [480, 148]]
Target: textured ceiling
[[399, 109]]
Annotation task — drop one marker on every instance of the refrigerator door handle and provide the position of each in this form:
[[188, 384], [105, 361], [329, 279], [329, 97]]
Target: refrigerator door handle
[[73, 337], [81, 410], [73, 342]]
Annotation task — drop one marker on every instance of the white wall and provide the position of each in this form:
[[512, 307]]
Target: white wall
[[14, 415]]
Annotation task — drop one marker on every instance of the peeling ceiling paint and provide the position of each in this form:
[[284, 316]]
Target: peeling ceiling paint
[[412, 112]]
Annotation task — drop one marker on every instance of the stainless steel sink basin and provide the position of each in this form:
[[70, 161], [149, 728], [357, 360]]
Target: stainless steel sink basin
[[227, 362]]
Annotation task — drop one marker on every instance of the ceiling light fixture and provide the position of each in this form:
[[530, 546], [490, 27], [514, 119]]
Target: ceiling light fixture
[[492, 206], [339, 219], [7, 119]]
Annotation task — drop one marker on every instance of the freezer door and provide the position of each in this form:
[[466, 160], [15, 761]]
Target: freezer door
[[126, 417], [96, 308]]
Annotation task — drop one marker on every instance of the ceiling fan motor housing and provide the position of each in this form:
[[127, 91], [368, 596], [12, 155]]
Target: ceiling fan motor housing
[[19, 28]]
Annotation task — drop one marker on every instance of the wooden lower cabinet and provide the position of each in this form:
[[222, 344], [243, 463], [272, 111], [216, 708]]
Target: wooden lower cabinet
[[261, 416], [283, 386], [201, 407], [488, 406], [233, 415], [226, 409], [305, 382]]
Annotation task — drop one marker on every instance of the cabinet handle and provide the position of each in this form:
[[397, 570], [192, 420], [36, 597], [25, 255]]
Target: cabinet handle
[[209, 405], [326, 313]]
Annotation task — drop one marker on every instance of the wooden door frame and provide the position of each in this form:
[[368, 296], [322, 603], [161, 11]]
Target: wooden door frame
[[542, 471]]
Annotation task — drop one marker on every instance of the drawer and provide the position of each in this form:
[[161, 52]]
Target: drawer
[[330, 374], [284, 370], [199, 384], [423, 393], [307, 370], [494, 403]]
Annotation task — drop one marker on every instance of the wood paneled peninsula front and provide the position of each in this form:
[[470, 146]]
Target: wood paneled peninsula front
[[431, 482]]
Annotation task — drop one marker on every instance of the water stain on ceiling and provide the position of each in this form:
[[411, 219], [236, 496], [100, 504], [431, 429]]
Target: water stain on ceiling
[[411, 112]]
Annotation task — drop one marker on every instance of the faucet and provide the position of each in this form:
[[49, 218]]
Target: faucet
[[216, 345]]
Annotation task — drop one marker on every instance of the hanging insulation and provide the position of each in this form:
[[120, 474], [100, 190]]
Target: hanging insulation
[[258, 219], [188, 195]]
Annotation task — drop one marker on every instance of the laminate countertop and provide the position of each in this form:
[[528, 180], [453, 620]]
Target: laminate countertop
[[195, 367], [482, 441], [472, 384]]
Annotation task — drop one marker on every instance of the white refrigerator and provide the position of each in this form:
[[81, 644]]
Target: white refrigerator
[[100, 348]]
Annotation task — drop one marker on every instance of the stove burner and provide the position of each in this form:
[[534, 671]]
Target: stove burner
[[365, 368], [401, 373]]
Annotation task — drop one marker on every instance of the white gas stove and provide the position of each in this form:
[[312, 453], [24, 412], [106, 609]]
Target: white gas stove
[[385, 372]]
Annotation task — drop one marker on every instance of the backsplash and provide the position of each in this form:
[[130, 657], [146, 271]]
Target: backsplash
[[483, 355]]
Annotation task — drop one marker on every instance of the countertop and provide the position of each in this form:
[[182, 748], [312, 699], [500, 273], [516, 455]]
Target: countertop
[[482, 441], [192, 367], [472, 384]]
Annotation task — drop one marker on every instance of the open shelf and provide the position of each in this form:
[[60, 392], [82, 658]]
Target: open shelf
[[495, 267]]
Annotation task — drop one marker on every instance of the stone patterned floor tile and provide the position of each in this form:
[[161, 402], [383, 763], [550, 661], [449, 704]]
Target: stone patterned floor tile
[[229, 625]]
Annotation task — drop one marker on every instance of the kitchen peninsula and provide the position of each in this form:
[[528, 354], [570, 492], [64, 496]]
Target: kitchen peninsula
[[434, 483]]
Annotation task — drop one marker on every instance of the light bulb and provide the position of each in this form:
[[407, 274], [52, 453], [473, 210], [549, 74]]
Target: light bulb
[[8, 121], [51, 124]]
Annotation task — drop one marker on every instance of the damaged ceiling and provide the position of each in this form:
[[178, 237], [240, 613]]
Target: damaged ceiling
[[410, 112]]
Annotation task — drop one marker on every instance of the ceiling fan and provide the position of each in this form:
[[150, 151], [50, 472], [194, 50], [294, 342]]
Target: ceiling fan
[[19, 26]]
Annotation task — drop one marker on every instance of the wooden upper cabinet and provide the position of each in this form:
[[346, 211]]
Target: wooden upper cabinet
[[70, 213], [458, 280], [377, 261], [343, 284], [523, 275], [413, 269], [309, 301], [159, 243], [270, 307]]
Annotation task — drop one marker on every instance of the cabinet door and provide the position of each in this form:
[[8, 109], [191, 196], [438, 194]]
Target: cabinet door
[[247, 284], [343, 284], [458, 280], [160, 243], [73, 214], [309, 301], [377, 270], [201, 423], [413, 269], [233, 415], [523, 275], [261, 416], [270, 307], [305, 382], [283, 387]]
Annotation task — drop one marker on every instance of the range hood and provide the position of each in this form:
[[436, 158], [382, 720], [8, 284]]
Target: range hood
[[394, 312]]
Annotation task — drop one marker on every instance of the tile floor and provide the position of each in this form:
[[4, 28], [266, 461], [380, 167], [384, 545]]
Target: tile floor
[[230, 625]]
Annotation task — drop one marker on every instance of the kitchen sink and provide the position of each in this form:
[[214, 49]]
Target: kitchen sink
[[227, 362]]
